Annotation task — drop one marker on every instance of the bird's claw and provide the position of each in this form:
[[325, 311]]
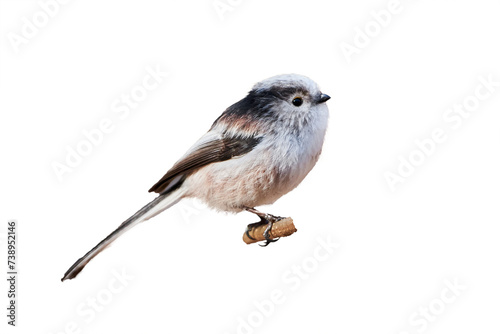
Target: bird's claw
[[254, 225], [268, 241], [265, 219], [271, 220]]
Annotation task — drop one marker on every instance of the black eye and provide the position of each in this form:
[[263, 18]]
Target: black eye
[[297, 101]]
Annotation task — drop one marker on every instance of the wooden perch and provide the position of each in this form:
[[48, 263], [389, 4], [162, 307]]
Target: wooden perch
[[282, 228]]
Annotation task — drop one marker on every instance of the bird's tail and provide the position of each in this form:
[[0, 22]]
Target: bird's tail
[[150, 210]]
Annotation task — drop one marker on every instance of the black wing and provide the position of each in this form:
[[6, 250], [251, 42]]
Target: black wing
[[207, 152]]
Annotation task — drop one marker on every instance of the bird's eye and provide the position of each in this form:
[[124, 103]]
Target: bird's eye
[[297, 101]]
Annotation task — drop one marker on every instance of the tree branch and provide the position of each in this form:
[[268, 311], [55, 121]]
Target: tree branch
[[282, 228]]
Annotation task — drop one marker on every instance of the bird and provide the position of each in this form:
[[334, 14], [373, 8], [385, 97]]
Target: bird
[[256, 151]]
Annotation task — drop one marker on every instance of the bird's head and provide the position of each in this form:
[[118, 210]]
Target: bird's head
[[289, 100]]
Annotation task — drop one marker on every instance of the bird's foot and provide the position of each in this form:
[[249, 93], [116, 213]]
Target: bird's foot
[[265, 219], [270, 221], [254, 225]]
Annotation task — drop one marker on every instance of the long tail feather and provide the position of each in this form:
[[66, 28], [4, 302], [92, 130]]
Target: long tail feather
[[150, 210]]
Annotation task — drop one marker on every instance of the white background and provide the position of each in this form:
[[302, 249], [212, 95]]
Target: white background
[[191, 271]]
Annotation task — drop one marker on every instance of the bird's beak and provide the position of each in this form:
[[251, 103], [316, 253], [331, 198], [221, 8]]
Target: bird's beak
[[323, 98]]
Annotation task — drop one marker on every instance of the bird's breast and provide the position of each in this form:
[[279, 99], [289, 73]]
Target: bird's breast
[[273, 168]]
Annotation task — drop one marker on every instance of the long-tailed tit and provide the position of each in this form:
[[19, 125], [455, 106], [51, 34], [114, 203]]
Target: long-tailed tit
[[259, 149]]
